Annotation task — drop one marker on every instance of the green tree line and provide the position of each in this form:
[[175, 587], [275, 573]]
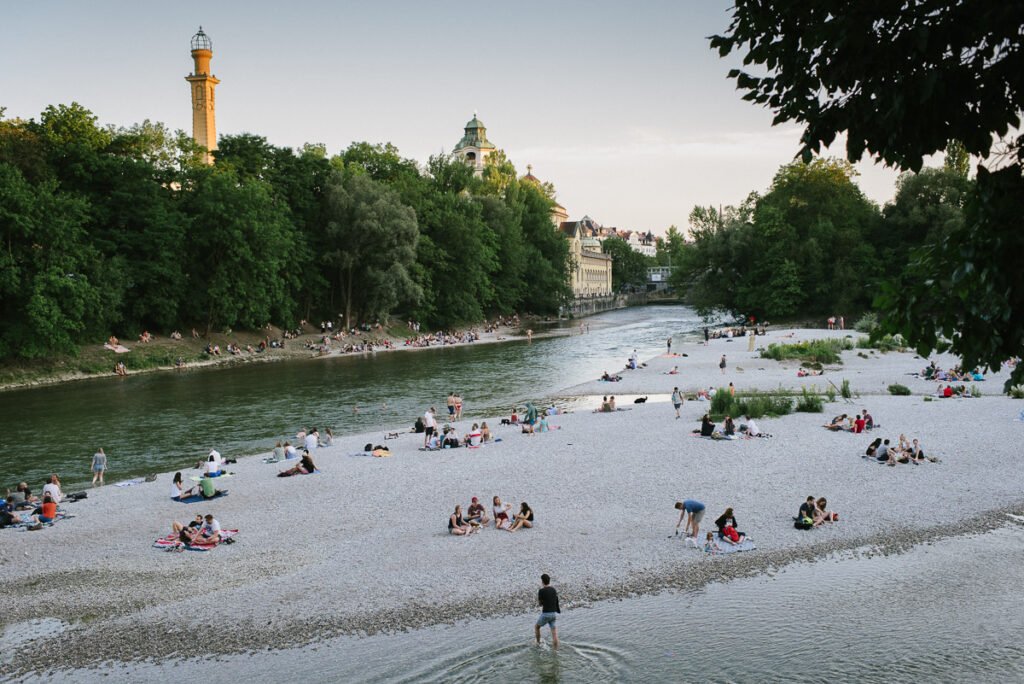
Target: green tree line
[[813, 244], [112, 230]]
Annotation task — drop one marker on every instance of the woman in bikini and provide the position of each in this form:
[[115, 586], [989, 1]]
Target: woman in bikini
[[823, 515]]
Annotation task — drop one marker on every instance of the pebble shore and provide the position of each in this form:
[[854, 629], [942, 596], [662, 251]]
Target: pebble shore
[[362, 547]]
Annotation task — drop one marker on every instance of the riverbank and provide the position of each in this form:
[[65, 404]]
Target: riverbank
[[362, 547], [162, 355]]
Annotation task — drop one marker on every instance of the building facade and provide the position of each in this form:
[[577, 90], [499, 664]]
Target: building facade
[[591, 272], [203, 83]]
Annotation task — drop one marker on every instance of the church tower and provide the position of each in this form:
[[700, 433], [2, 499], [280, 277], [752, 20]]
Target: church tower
[[474, 146], [204, 123]]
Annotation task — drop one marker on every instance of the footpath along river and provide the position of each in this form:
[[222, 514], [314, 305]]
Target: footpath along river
[[161, 421]]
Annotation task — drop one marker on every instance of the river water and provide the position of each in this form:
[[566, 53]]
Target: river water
[[949, 611], [162, 421]]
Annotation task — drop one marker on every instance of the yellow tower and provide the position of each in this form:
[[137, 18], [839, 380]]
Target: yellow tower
[[204, 123]]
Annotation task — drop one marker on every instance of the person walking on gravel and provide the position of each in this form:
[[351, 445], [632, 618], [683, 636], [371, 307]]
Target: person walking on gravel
[[547, 597], [677, 400]]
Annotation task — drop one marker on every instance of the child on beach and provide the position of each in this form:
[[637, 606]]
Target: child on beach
[[710, 545]]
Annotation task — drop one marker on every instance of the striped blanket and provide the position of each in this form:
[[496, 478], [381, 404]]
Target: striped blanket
[[172, 542]]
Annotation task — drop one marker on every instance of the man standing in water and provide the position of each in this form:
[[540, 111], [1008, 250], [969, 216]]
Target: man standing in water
[[547, 597]]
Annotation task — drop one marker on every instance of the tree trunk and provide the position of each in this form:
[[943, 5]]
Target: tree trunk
[[348, 300]]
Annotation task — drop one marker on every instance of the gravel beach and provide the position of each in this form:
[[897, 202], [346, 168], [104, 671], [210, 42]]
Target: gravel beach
[[362, 547]]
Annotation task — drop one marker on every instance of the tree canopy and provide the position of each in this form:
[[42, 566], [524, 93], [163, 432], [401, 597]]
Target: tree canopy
[[903, 81], [114, 230]]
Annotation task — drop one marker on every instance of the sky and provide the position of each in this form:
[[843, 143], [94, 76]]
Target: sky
[[622, 106]]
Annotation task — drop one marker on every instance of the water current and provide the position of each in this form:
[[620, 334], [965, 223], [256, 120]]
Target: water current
[[948, 611], [161, 421]]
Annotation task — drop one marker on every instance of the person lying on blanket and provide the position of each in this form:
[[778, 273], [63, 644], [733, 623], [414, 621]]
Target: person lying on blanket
[[188, 534]]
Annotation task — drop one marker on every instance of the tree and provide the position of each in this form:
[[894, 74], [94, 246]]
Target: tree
[[239, 253], [370, 245], [629, 267], [901, 80], [51, 289]]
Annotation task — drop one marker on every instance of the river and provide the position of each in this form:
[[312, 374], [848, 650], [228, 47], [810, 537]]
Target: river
[[161, 421]]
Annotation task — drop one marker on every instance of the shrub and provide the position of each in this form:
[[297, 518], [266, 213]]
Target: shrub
[[753, 404], [885, 343], [844, 390], [927, 398], [810, 402], [867, 323], [975, 392], [830, 392], [899, 390], [811, 351], [862, 355], [1017, 392]]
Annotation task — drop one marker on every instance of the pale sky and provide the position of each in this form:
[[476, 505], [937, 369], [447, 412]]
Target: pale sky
[[621, 105]]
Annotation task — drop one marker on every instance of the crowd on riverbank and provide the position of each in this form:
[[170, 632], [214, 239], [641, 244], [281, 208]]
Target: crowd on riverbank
[[581, 481]]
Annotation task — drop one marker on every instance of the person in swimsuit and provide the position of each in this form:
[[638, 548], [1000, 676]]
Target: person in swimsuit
[[458, 526], [458, 407], [524, 518], [822, 514]]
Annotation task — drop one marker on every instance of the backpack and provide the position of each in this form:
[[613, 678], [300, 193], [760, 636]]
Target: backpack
[[803, 523]]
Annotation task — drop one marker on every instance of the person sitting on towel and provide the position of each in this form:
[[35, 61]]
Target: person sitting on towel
[[727, 532], [178, 491], [207, 488], [305, 467], [213, 464], [838, 423], [707, 428], [210, 531]]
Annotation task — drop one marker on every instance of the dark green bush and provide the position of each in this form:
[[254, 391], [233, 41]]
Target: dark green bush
[[899, 390], [811, 351], [810, 402]]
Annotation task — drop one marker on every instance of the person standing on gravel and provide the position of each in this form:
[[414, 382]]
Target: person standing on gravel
[[693, 511], [677, 400], [721, 364], [669, 345], [429, 426], [547, 597]]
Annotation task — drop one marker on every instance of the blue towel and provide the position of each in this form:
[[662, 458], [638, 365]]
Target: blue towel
[[196, 498]]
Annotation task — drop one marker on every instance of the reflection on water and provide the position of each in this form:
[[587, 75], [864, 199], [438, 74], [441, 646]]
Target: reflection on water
[[942, 612], [161, 421]]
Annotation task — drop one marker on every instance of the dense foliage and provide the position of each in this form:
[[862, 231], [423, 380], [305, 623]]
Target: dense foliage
[[901, 81], [114, 230]]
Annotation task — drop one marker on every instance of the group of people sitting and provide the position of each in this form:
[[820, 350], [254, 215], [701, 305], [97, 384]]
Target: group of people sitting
[[442, 338], [607, 405], [478, 435], [948, 391], [606, 377], [203, 530], [814, 513], [708, 428], [905, 451], [476, 518], [805, 372], [206, 487], [728, 533], [855, 423], [956, 374], [21, 506]]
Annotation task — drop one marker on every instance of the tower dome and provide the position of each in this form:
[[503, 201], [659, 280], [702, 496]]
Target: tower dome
[[201, 41]]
